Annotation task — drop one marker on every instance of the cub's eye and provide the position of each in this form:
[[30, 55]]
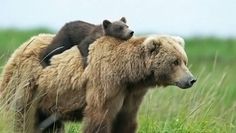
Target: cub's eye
[[176, 62], [120, 28]]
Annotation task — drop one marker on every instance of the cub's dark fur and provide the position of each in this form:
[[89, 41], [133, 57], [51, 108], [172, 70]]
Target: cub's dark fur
[[83, 34]]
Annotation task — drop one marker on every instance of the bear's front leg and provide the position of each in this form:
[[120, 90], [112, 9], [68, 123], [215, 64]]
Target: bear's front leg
[[125, 123], [97, 123], [100, 114], [126, 120]]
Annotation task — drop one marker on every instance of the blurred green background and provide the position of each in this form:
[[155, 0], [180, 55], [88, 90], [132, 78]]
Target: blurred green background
[[210, 106]]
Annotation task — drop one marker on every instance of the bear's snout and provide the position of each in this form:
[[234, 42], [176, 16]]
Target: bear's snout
[[187, 82], [131, 33]]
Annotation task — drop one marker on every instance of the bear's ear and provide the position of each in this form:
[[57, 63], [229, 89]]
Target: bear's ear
[[123, 19], [179, 40], [151, 45], [106, 23]]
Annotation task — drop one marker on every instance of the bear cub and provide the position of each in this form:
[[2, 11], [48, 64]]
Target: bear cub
[[83, 34]]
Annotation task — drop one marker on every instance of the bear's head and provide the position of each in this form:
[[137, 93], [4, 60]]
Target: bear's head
[[167, 61], [117, 29]]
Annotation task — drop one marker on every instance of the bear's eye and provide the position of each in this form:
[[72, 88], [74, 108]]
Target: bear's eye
[[120, 28], [176, 62]]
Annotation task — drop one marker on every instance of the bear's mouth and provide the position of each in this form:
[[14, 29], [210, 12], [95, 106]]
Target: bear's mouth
[[183, 86]]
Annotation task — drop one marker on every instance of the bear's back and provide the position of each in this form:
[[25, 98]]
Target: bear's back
[[78, 30]]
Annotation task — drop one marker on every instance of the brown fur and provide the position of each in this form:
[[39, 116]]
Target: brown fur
[[19, 78], [119, 78], [109, 91]]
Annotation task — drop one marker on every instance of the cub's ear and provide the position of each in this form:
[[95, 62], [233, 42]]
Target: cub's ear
[[151, 44], [123, 19], [180, 40], [106, 23]]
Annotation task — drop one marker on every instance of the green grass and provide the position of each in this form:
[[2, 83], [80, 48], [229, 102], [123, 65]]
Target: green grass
[[208, 107], [10, 39]]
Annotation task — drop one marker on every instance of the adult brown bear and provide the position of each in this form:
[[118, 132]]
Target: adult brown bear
[[109, 91], [120, 77]]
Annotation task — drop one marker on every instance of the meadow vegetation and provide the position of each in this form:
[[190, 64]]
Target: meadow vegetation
[[208, 107]]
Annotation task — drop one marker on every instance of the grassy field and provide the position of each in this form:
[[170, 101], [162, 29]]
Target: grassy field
[[208, 107]]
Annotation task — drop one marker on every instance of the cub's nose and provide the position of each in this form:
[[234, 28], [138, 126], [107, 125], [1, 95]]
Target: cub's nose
[[131, 33]]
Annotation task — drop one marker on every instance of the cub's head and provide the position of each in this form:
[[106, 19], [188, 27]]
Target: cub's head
[[167, 61], [118, 29]]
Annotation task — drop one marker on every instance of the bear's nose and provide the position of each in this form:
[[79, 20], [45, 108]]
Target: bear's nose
[[131, 33], [192, 81]]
